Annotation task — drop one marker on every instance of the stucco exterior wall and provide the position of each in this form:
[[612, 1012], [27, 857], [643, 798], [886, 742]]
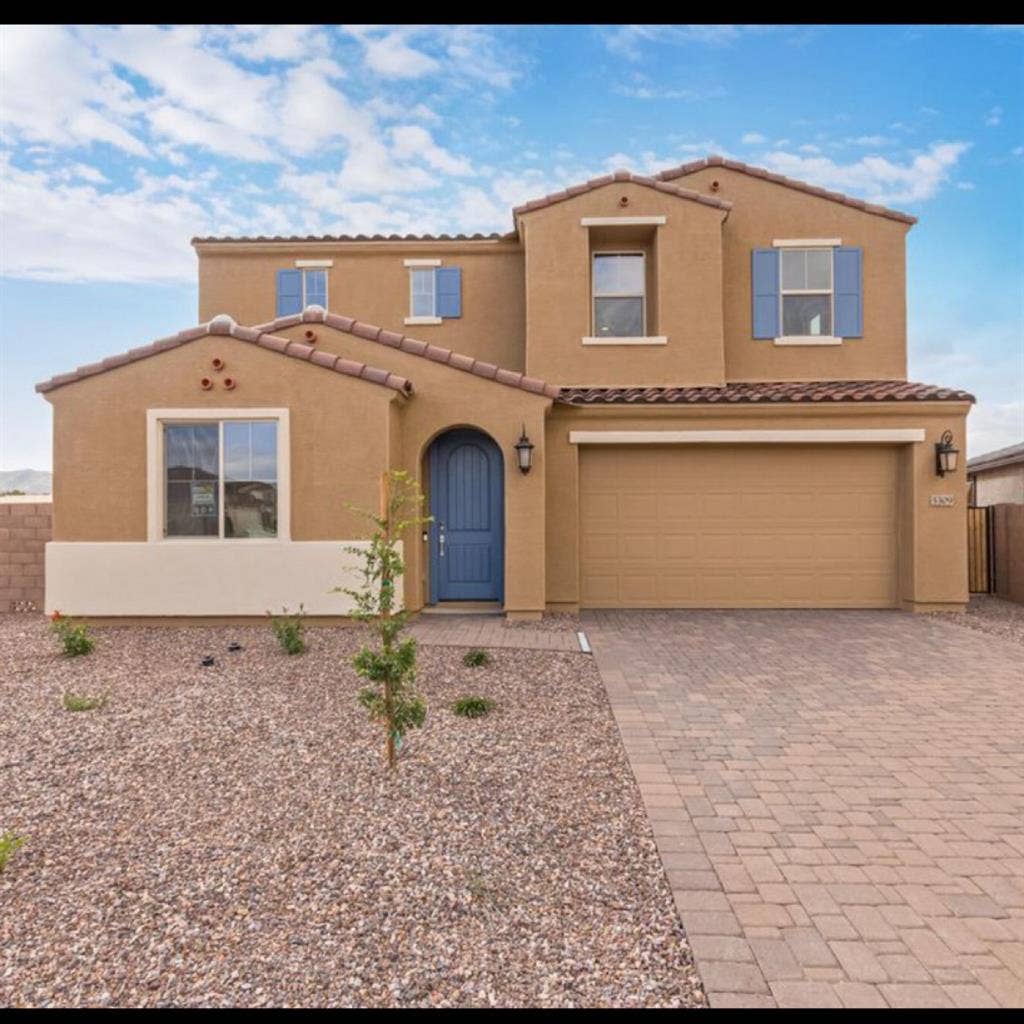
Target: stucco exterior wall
[[370, 282], [687, 305], [1002, 486], [763, 211]]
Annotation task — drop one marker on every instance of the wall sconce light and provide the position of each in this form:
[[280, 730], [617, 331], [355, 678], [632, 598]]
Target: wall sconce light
[[946, 455], [524, 452]]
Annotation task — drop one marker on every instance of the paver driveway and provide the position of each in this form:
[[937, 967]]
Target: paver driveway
[[838, 798]]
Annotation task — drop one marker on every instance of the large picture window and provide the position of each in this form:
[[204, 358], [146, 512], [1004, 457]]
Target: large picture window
[[619, 295], [806, 289], [221, 479]]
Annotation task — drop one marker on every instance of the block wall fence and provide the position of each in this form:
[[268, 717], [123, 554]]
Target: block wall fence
[[25, 527]]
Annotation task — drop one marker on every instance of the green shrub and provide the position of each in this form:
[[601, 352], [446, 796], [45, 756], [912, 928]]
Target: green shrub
[[476, 658], [80, 702], [288, 630], [472, 706], [74, 636], [10, 843]]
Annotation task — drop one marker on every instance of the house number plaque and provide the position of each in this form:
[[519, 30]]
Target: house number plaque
[[942, 501]]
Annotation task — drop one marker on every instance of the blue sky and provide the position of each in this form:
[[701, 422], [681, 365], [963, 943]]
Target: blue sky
[[119, 144]]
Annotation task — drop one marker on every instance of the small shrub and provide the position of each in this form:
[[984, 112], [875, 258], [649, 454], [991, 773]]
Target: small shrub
[[288, 630], [10, 843], [74, 636], [476, 658], [472, 706], [80, 702]]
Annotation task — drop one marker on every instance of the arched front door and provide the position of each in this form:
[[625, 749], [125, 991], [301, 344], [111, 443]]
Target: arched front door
[[467, 501]]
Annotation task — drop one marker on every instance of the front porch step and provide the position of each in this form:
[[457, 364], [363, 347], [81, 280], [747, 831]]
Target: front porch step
[[463, 608]]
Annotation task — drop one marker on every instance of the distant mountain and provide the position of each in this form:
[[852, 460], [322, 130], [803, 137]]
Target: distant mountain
[[31, 481]]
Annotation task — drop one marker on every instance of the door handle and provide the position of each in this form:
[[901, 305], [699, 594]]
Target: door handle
[[441, 540]]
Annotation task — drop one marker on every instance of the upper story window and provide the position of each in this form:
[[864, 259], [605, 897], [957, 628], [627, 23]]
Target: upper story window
[[806, 289], [435, 292], [297, 289], [619, 294], [221, 478]]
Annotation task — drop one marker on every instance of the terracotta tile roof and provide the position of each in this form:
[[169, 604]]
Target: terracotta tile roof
[[774, 392], [608, 179], [392, 339], [779, 179], [494, 236], [223, 324]]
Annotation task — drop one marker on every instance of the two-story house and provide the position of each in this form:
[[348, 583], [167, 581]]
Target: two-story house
[[680, 391]]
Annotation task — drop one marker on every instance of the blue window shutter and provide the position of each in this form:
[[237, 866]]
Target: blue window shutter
[[448, 282], [316, 288], [849, 286], [289, 292], [765, 290]]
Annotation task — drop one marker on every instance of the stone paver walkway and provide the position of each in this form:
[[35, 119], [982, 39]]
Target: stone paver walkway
[[838, 798], [491, 631]]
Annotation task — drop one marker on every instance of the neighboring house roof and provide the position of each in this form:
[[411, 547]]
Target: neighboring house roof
[[620, 176], [779, 179], [768, 392], [392, 339], [493, 237], [1009, 456], [224, 325]]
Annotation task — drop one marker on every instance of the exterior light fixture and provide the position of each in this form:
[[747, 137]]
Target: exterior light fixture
[[946, 454], [524, 452]]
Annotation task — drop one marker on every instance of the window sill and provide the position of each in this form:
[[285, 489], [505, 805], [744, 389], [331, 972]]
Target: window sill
[[809, 340], [421, 321], [653, 340]]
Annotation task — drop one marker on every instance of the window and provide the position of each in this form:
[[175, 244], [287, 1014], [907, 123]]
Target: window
[[618, 287], [806, 289], [221, 479], [435, 292], [297, 289], [423, 299]]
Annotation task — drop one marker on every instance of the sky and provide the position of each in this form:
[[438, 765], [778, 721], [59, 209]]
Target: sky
[[118, 144]]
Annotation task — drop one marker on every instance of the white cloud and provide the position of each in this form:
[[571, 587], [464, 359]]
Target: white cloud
[[390, 54], [994, 117], [627, 40], [412, 142], [875, 178], [965, 186], [753, 139], [276, 42], [183, 127]]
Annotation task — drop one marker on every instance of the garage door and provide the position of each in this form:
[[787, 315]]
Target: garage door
[[723, 526]]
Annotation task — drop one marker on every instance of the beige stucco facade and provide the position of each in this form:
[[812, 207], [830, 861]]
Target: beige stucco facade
[[858, 475]]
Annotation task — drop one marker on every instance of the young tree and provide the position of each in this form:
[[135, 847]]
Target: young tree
[[390, 666]]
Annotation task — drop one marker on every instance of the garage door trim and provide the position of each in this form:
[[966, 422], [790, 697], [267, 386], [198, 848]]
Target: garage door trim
[[871, 436]]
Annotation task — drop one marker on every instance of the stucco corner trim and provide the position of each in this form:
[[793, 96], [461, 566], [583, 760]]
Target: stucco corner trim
[[909, 435], [660, 339], [809, 340]]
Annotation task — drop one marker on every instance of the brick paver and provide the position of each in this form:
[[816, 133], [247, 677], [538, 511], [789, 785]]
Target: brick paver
[[838, 798]]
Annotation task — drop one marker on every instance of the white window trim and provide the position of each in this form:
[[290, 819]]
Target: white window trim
[[613, 222], [415, 265], [831, 293], [422, 321], [594, 256], [155, 504], [327, 285], [659, 339], [314, 264], [421, 263], [808, 340], [911, 435], [806, 243]]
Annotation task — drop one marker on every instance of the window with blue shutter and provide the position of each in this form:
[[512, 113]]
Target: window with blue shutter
[[765, 291], [315, 282], [448, 285], [289, 292], [849, 292]]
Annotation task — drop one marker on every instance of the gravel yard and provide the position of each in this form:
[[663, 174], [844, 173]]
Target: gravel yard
[[992, 615], [228, 835]]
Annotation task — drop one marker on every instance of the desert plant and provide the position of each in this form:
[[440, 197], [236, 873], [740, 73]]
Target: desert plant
[[390, 666], [10, 843], [288, 630], [476, 658], [81, 702], [472, 706], [74, 636]]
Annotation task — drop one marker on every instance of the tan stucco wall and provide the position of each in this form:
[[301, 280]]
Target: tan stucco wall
[[370, 282], [99, 452], [1002, 486], [688, 302], [763, 211], [932, 541]]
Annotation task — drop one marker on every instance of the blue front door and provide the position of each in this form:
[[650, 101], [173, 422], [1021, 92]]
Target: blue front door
[[467, 536]]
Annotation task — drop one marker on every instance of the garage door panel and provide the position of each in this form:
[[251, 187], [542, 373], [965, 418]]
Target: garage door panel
[[738, 526]]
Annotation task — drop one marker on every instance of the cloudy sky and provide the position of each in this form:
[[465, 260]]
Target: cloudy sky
[[119, 144]]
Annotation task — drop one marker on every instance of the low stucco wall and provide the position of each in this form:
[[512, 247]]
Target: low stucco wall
[[1009, 545], [26, 524]]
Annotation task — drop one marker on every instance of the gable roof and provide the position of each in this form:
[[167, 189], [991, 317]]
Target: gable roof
[[779, 179], [1009, 456], [402, 342], [623, 176], [225, 325]]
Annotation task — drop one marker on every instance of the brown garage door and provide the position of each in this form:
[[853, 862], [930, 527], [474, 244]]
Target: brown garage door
[[720, 526]]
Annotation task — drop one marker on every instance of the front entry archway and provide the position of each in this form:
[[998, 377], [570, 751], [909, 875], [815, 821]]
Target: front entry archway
[[467, 501]]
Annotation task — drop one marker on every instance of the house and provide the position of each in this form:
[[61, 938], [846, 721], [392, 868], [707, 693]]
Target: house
[[997, 478], [709, 364]]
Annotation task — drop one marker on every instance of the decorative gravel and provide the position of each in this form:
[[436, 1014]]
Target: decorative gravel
[[992, 615], [230, 836], [550, 622]]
